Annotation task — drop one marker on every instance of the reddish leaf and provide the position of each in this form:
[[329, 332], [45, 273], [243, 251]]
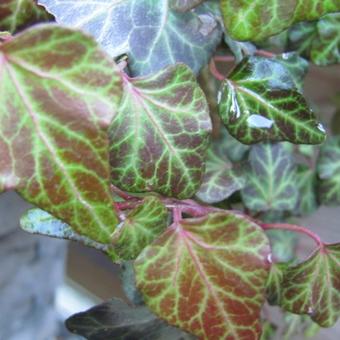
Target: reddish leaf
[[58, 94], [207, 276]]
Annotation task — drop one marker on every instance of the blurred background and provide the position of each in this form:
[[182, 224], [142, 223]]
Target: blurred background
[[43, 281]]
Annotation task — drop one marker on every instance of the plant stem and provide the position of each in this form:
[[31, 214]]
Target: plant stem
[[176, 214], [122, 194], [294, 228], [264, 53], [214, 71], [224, 58]]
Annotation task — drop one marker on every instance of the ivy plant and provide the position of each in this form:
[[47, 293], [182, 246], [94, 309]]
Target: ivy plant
[[121, 126]]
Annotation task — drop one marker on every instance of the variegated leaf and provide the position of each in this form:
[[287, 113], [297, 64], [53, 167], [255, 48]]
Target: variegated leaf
[[272, 180], [207, 276], [259, 19], [15, 15], [259, 101], [58, 94], [221, 178], [161, 133], [141, 226], [313, 287], [329, 171], [153, 35]]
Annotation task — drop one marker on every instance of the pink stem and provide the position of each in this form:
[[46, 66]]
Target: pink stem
[[122, 194], [224, 58], [264, 53], [214, 71], [294, 228], [177, 214]]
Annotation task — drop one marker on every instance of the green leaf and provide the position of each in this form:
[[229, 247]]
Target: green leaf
[[313, 287], [221, 178], [268, 331], [307, 202], [235, 150], [298, 327], [272, 180], [141, 226], [207, 276], [259, 102], [58, 93], [239, 49], [184, 5], [283, 243], [15, 15], [319, 41], [256, 20], [119, 321], [161, 133], [329, 171], [37, 221], [167, 36], [297, 67], [274, 283]]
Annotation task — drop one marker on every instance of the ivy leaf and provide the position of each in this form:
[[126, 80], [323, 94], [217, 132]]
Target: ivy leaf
[[307, 202], [18, 14], [297, 67], [161, 133], [168, 36], [254, 20], [313, 287], [274, 283], [141, 226], [272, 180], [184, 5], [283, 243], [37, 221], [268, 330], [235, 150], [239, 49], [116, 320], [58, 95], [319, 40], [298, 326], [329, 171], [207, 276], [221, 179], [259, 102]]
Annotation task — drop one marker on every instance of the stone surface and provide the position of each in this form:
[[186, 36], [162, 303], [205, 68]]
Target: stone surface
[[31, 269]]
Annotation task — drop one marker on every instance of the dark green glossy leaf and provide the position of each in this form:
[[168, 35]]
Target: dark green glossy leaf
[[259, 101], [207, 276], [161, 133], [274, 283], [18, 14], [272, 180], [140, 227], [167, 36], [221, 179], [313, 287], [329, 171], [297, 67], [307, 201], [184, 5], [119, 321], [256, 20], [58, 94]]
